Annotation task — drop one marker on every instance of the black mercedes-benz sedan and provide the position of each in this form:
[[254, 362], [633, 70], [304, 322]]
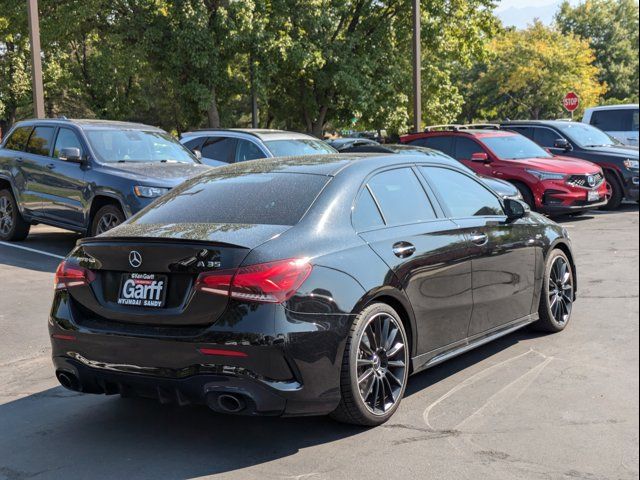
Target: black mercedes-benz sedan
[[305, 286]]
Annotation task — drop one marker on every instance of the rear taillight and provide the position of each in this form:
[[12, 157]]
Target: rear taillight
[[69, 275], [273, 282]]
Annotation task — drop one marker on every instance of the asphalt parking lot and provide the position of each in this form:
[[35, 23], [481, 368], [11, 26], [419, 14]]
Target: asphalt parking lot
[[527, 406]]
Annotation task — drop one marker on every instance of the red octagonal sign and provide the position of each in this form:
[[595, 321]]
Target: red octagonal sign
[[571, 102]]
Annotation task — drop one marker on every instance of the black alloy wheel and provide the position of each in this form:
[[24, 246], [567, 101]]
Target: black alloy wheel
[[375, 367], [558, 294]]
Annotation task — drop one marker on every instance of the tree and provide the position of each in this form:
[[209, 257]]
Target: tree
[[528, 72], [15, 69], [611, 28]]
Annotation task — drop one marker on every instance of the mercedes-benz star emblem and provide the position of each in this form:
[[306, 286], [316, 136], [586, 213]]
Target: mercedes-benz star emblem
[[135, 259], [591, 181]]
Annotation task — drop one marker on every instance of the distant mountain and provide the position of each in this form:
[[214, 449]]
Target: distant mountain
[[520, 17]]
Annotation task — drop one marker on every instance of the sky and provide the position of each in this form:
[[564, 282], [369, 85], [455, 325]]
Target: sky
[[519, 13]]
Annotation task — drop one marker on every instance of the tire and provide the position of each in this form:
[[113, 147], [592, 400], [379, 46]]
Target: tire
[[106, 218], [527, 196], [381, 372], [615, 191], [556, 299], [13, 227]]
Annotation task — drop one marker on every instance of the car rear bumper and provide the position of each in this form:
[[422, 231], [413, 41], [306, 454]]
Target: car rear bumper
[[295, 371]]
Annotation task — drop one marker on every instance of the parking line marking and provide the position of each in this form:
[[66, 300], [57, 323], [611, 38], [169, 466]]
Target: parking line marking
[[41, 252]]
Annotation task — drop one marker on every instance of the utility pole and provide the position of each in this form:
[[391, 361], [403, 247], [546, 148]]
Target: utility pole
[[417, 69], [36, 60], [254, 96]]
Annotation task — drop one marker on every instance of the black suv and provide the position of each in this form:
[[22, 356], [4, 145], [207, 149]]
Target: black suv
[[85, 175], [573, 139]]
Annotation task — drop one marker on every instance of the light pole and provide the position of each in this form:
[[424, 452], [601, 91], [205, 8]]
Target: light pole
[[36, 61], [417, 67]]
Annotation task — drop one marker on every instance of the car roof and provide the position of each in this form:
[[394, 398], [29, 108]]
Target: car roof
[[262, 134], [470, 132], [625, 106], [330, 165], [552, 123], [90, 124]]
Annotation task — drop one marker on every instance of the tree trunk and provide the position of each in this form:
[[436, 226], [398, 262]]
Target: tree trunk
[[317, 128], [212, 113]]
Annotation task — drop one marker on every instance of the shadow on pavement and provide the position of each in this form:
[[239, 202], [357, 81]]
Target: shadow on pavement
[[61, 434]]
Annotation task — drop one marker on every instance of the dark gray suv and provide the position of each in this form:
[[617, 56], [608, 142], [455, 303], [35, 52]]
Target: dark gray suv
[[85, 175]]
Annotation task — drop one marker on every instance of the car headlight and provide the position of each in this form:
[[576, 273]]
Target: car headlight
[[631, 164], [546, 175], [149, 192]]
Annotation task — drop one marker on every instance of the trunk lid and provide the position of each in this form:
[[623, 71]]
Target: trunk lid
[[164, 254]]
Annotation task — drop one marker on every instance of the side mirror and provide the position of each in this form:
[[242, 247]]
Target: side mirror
[[197, 153], [480, 157], [563, 144], [515, 209], [71, 154]]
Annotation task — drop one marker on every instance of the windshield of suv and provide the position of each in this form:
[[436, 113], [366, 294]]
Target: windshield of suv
[[514, 147], [586, 135], [299, 146], [137, 146]]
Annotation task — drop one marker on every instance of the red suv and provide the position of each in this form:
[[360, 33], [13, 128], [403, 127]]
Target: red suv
[[549, 184]]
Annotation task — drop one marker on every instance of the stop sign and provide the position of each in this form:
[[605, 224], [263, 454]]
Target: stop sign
[[571, 102]]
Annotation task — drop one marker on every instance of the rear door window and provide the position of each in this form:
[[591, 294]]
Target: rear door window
[[193, 144], [546, 137], [442, 144], [617, 120], [463, 196], [401, 197], [18, 139], [526, 131], [243, 199], [222, 149], [67, 139], [465, 148], [40, 141], [247, 150], [366, 216]]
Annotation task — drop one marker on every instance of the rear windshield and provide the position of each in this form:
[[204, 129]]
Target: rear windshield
[[292, 148], [253, 198]]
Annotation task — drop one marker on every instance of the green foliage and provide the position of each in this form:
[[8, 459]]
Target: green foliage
[[611, 28], [313, 64], [528, 72]]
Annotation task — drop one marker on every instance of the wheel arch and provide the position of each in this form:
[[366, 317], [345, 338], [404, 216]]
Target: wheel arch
[[564, 247], [100, 200], [398, 301]]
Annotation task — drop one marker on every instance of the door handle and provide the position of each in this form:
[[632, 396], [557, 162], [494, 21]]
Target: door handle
[[479, 239], [403, 249], [51, 166], [19, 159]]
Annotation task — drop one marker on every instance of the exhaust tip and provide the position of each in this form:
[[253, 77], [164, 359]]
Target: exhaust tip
[[231, 403], [68, 380]]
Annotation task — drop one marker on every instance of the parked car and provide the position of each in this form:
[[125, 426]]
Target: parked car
[[304, 286], [501, 187], [550, 184], [223, 146], [578, 140], [85, 175], [619, 121]]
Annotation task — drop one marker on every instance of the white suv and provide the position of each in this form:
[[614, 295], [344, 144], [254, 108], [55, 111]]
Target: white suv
[[619, 121]]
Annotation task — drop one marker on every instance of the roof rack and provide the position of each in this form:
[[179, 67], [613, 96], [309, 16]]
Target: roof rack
[[481, 126], [453, 126]]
